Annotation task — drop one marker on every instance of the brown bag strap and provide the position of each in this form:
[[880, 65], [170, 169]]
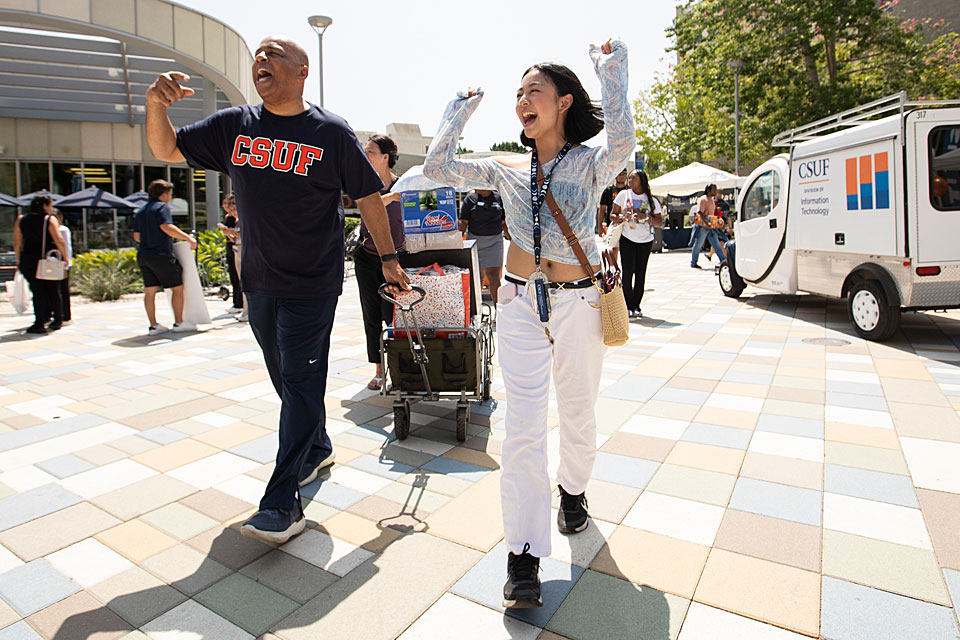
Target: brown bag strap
[[568, 233], [607, 259]]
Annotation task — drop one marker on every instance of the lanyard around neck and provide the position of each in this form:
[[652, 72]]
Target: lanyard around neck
[[539, 193]]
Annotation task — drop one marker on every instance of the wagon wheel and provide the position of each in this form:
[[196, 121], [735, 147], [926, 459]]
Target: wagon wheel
[[401, 419], [462, 416]]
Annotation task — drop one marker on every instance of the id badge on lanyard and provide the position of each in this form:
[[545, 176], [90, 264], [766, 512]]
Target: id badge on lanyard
[[538, 281], [540, 295]]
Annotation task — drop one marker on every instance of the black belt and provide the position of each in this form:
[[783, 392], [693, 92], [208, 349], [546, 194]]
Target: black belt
[[583, 283]]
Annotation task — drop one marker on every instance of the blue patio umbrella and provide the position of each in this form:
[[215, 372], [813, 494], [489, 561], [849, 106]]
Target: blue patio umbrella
[[95, 198], [139, 198], [27, 197], [9, 201]]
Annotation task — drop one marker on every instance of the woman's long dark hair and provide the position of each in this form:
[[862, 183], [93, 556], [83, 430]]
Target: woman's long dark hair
[[39, 202], [584, 117], [387, 146]]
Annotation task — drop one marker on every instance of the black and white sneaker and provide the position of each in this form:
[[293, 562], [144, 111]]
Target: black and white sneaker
[[522, 588], [275, 526], [573, 516]]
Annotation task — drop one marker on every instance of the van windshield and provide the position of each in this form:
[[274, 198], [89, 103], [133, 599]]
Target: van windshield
[[944, 145]]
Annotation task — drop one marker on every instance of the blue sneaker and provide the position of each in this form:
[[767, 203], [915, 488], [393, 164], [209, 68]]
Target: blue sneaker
[[312, 469], [275, 526]]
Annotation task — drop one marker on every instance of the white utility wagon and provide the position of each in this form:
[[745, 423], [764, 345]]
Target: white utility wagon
[[860, 208]]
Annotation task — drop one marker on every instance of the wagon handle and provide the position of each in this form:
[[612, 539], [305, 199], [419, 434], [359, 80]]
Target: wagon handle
[[397, 303]]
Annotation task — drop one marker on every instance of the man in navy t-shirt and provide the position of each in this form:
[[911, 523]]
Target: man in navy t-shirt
[[289, 162]]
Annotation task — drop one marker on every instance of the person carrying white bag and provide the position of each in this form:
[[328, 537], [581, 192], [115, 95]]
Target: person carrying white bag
[[36, 242]]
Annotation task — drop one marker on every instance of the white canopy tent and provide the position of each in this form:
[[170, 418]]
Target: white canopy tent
[[693, 178]]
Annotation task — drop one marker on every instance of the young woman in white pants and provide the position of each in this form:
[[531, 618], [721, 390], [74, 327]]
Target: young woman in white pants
[[557, 117]]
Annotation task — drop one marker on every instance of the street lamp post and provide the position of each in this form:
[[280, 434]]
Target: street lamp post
[[735, 65], [320, 24]]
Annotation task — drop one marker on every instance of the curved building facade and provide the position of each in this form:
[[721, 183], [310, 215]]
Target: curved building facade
[[73, 74]]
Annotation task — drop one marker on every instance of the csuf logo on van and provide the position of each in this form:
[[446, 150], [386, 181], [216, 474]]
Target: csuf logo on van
[[868, 182]]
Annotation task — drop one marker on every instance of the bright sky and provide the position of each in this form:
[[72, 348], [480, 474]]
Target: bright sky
[[403, 61]]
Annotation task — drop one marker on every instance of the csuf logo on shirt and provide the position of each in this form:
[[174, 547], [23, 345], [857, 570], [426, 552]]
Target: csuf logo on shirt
[[281, 155]]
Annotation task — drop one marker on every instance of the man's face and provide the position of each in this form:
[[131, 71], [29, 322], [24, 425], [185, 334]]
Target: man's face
[[166, 196], [622, 177], [279, 69]]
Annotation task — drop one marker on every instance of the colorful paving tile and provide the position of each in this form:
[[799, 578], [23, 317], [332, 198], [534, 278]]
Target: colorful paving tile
[[748, 484]]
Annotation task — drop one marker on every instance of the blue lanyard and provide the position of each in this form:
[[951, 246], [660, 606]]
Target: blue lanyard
[[539, 193]]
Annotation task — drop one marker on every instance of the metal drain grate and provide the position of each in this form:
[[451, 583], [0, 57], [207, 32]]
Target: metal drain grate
[[827, 342]]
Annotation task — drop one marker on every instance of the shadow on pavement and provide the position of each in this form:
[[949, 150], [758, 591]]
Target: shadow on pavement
[[926, 331]]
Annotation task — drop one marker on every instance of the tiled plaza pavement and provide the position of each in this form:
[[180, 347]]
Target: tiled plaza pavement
[[752, 483]]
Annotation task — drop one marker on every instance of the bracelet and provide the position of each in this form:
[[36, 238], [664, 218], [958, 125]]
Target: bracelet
[[387, 257]]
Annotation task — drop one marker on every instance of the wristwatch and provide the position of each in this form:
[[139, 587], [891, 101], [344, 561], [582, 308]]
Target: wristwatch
[[387, 257]]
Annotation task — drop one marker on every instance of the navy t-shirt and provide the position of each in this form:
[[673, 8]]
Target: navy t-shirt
[[484, 215], [146, 222], [288, 173]]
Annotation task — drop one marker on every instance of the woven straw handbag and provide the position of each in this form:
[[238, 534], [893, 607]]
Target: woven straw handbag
[[613, 306]]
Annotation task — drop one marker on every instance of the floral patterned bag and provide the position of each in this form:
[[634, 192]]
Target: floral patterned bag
[[447, 303]]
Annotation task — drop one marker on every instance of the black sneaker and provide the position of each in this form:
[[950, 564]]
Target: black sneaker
[[36, 328], [522, 588], [695, 266], [275, 526], [573, 516]]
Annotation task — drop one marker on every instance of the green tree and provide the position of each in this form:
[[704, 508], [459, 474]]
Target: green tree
[[509, 145], [461, 149], [803, 60]]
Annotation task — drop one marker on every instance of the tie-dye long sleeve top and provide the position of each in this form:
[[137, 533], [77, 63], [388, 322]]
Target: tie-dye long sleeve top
[[577, 182]]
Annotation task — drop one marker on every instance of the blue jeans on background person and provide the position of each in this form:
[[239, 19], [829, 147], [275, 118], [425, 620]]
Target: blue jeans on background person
[[701, 234], [294, 335]]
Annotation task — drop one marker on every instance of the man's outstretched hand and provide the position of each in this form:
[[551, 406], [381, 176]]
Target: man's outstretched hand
[[166, 89]]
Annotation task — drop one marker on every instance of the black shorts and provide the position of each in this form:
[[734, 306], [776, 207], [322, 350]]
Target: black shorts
[[159, 271]]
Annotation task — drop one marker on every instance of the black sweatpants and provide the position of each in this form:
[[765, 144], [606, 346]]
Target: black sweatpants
[[65, 296], [234, 277], [46, 295], [633, 260], [376, 310]]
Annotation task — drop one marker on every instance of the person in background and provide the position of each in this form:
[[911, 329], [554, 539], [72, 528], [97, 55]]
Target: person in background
[[154, 232], [703, 231], [230, 221], [606, 206], [483, 219], [33, 234], [68, 256], [383, 154], [639, 212], [231, 229]]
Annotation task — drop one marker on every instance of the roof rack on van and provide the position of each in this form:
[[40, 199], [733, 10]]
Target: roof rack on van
[[896, 103]]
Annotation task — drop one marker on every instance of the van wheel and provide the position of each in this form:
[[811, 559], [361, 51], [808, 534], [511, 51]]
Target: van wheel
[[731, 285], [872, 316]]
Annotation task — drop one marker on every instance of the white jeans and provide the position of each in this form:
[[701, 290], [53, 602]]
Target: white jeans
[[526, 360]]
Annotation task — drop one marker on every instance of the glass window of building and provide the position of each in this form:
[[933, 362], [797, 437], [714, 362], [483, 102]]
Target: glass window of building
[[67, 178], [127, 179], [153, 173], [180, 205], [8, 178], [98, 175], [34, 176], [200, 198]]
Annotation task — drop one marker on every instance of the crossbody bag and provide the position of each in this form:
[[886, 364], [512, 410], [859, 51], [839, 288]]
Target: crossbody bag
[[613, 306]]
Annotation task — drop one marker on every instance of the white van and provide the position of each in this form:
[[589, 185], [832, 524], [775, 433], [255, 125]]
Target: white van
[[860, 208]]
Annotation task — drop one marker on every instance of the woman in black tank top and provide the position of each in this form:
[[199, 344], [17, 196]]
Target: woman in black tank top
[[29, 244]]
